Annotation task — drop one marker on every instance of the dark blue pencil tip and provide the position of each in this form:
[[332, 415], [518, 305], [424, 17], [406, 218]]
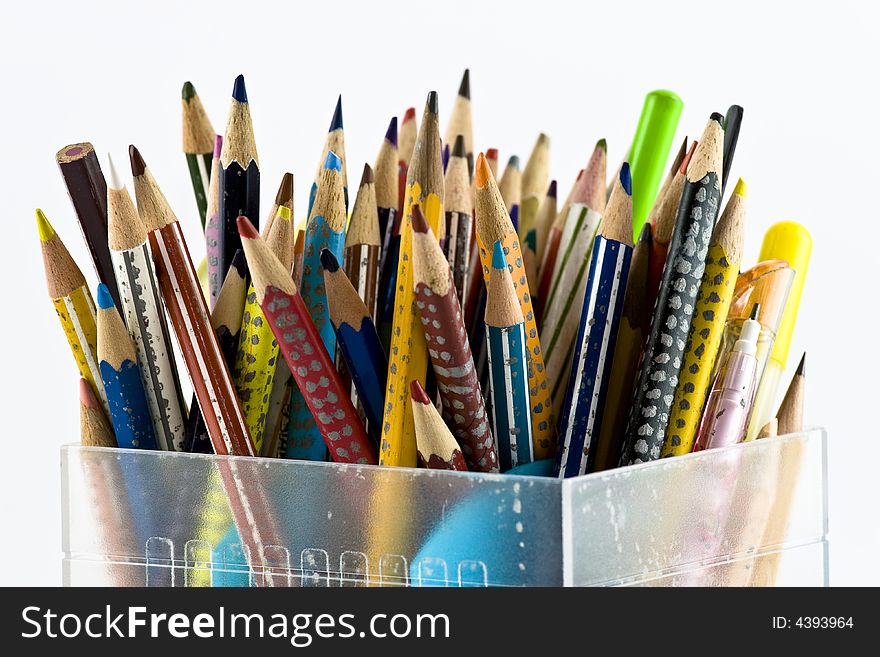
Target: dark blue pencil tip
[[336, 123], [329, 261], [239, 263], [551, 191], [105, 299], [333, 161], [626, 180], [238, 90], [715, 116], [391, 133], [514, 215], [513, 162], [499, 260]]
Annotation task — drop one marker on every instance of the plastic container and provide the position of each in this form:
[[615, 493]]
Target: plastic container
[[753, 513]]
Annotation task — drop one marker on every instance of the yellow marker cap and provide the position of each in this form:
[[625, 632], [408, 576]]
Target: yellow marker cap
[[789, 241], [44, 227]]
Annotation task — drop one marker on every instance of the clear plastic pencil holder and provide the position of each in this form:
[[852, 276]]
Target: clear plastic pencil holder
[[750, 514]]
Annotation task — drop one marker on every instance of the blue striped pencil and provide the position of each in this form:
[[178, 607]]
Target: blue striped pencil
[[325, 230], [597, 334], [334, 143], [508, 366], [358, 342], [117, 360]]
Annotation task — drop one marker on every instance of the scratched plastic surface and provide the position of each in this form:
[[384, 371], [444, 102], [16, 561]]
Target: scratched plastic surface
[[135, 518]]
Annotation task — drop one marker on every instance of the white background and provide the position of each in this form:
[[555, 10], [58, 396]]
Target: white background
[[111, 74]]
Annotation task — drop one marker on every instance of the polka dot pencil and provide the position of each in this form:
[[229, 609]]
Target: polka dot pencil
[[661, 365], [448, 348], [493, 224], [73, 304], [325, 230], [188, 315], [300, 343], [461, 121], [94, 429], [334, 143], [459, 218], [385, 173], [198, 146], [435, 444], [710, 315], [597, 333], [144, 316], [508, 365], [535, 177], [212, 226], [129, 410]]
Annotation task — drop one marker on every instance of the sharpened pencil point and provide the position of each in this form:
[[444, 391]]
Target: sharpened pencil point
[[551, 190], [499, 260], [458, 147], [715, 116], [419, 223], [44, 228], [603, 144], [433, 104], [333, 161], [391, 133], [626, 179], [246, 228], [285, 190], [410, 114], [105, 299], [239, 263], [741, 188], [329, 261], [367, 176], [238, 90], [513, 162], [646, 235], [514, 215], [188, 90], [482, 171], [86, 396], [801, 368], [218, 145], [418, 394], [115, 182], [138, 166], [491, 153], [464, 89], [336, 121]]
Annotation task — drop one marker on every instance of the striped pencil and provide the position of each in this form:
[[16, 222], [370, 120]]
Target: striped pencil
[[508, 365], [597, 334], [408, 355], [198, 146], [325, 230], [710, 314], [510, 183], [73, 304], [459, 218], [212, 226], [435, 444], [562, 309], [661, 365], [461, 121], [129, 411], [449, 350], [385, 174], [239, 176], [334, 143], [535, 178], [362, 243], [358, 342], [144, 316], [406, 144], [189, 316], [94, 429], [87, 189], [543, 223], [493, 224], [551, 249], [301, 344]]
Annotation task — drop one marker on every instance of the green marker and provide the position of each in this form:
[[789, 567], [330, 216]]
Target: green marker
[[650, 150]]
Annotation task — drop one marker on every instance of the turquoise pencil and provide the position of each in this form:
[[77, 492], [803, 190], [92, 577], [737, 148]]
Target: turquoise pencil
[[508, 366], [117, 360], [325, 230]]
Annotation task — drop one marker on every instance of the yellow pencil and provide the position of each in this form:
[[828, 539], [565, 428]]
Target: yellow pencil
[[533, 187]]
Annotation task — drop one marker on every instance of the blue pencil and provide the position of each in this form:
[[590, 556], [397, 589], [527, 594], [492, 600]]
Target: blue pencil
[[117, 360], [597, 333], [508, 366], [334, 143]]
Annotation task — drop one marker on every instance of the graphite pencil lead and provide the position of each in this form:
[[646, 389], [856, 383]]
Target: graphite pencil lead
[[433, 102], [458, 148], [329, 261], [188, 90], [464, 89], [367, 175], [801, 368]]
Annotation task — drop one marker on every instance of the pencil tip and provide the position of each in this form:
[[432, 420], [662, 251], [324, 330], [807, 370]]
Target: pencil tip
[[285, 190], [239, 263], [482, 171], [105, 299], [86, 396], [499, 261], [188, 90], [551, 190], [491, 153], [336, 122], [115, 181], [801, 368], [602, 144], [433, 104], [626, 179], [514, 215], [44, 228], [238, 90], [246, 228], [513, 162], [741, 188], [715, 116], [138, 166], [329, 261], [367, 175], [410, 114], [464, 89], [218, 145], [458, 147], [418, 394], [419, 224], [391, 133], [333, 161], [646, 235]]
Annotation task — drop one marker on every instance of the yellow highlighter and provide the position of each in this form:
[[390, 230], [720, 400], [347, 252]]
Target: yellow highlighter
[[789, 241]]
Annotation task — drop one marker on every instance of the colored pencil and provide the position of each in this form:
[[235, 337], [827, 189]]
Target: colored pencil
[[239, 175], [73, 304], [284, 197], [363, 243], [435, 444], [129, 411], [535, 178], [461, 121], [791, 411], [543, 223], [407, 142], [94, 429], [710, 315], [670, 176], [492, 161], [302, 347], [510, 183], [448, 348], [493, 224], [144, 316], [325, 230], [334, 143], [408, 359], [661, 365], [508, 365], [88, 192], [635, 323], [459, 218], [212, 226], [551, 249], [226, 323], [198, 146], [254, 370], [358, 342], [732, 124], [385, 173], [299, 247], [581, 414], [562, 309], [189, 316]]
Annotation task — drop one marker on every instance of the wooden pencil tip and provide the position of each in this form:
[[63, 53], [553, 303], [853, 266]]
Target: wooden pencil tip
[[458, 147], [218, 145], [433, 103], [499, 260], [239, 263], [239, 92], [410, 114], [105, 299], [513, 162], [188, 90], [741, 188], [138, 166], [329, 261], [551, 190], [419, 223], [491, 153], [626, 179], [391, 133], [715, 116], [44, 228], [482, 171], [285, 190], [801, 368], [246, 228], [333, 161], [336, 121], [687, 158], [115, 182], [418, 394], [367, 176], [86, 396], [602, 144], [464, 89]]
